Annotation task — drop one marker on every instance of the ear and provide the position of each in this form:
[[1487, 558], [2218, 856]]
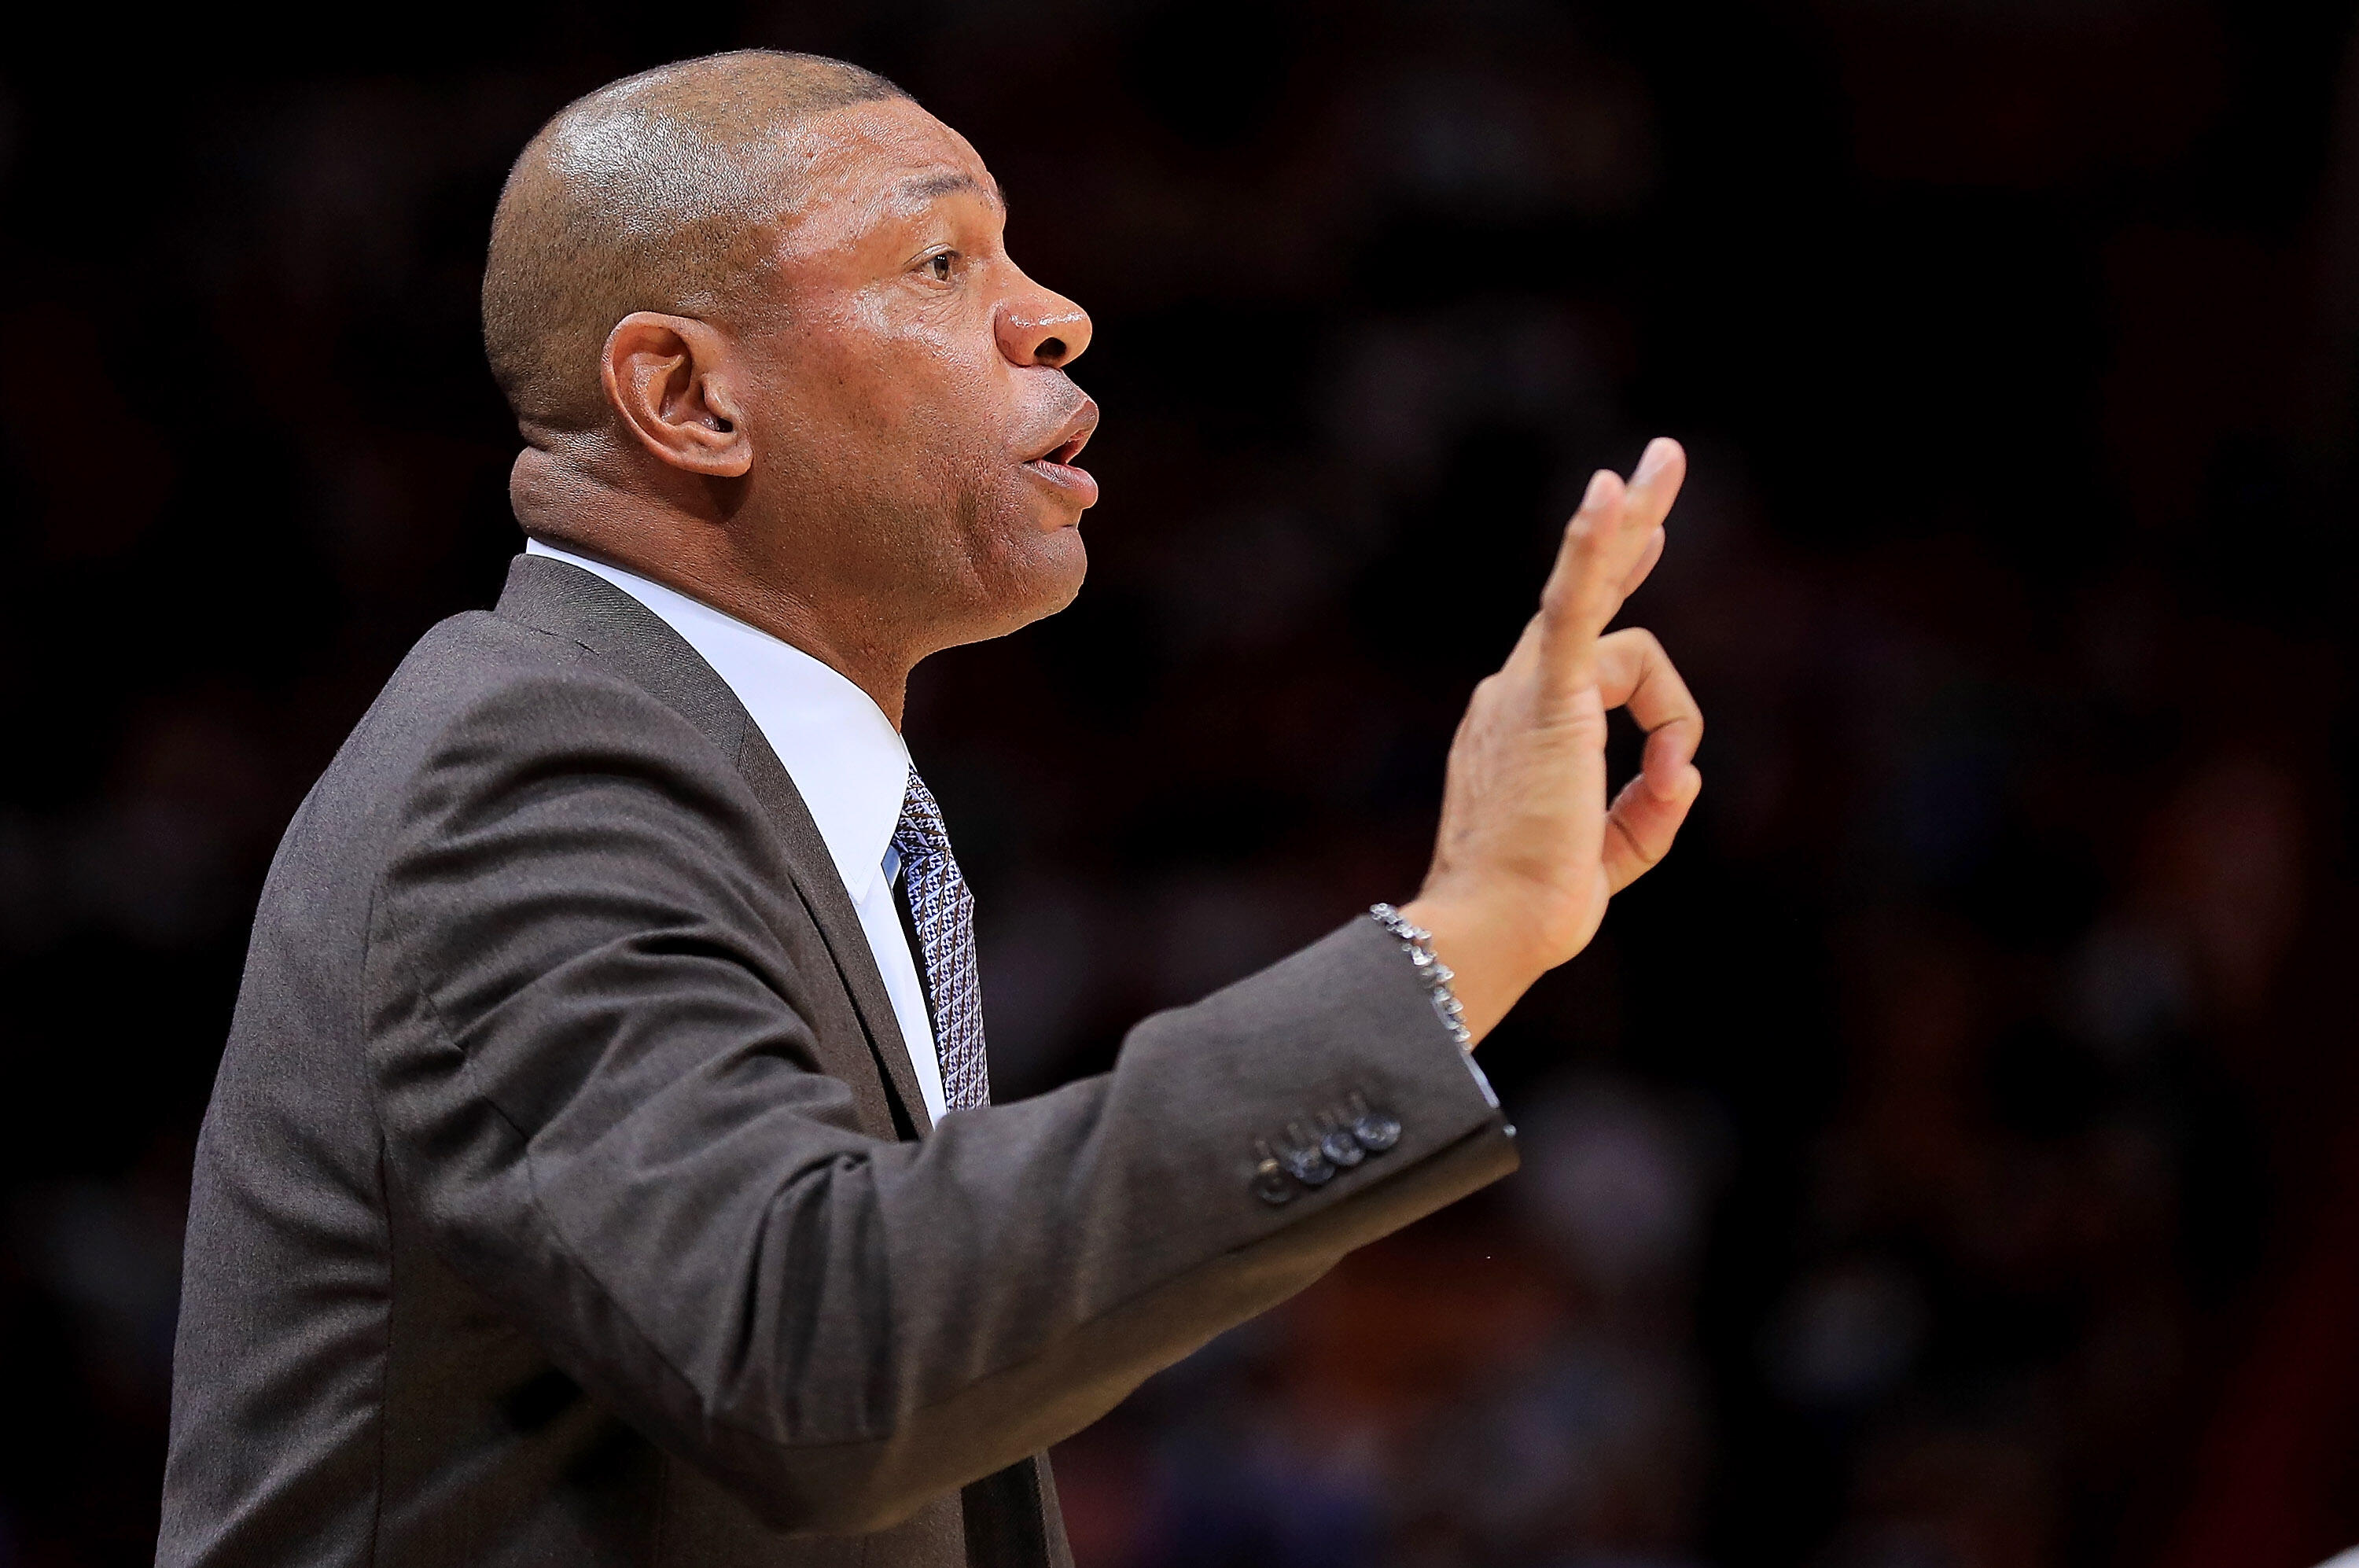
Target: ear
[[668, 378]]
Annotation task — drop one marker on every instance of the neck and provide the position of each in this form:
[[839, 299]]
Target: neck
[[573, 508]]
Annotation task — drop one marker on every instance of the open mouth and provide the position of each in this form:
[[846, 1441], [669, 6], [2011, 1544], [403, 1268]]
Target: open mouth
[[1075, 436], [1056, 464]]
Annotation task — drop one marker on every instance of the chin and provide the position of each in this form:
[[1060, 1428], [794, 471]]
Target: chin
[[1022, 581], [1052, 579], [1072, 564]]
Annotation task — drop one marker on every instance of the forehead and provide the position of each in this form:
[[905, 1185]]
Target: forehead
[[873, 167]]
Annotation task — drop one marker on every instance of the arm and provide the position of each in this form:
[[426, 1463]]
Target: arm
[[592, 1002], [591, 1037]]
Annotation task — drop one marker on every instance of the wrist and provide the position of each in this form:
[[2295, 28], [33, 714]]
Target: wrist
[[1489, 954]]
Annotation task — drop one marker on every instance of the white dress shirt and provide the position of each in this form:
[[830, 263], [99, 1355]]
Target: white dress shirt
[[848, 763]]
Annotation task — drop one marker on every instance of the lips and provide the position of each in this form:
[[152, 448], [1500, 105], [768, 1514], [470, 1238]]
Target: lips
[[1054, 461]]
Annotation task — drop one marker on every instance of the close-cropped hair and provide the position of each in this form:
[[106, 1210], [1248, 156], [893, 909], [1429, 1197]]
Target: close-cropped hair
[[656, 192]]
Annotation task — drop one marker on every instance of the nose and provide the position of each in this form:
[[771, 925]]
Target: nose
[[1041, 326]]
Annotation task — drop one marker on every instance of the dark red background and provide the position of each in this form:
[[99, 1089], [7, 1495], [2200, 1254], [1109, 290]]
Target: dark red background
[[1949, 1159]]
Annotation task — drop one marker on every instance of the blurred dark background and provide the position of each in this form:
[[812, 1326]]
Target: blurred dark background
[[1950, 1158]]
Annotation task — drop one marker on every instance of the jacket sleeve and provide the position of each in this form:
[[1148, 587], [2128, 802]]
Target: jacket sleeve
[[592, 1054]]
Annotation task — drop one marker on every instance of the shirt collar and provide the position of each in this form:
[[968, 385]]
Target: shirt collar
[[848, 762]]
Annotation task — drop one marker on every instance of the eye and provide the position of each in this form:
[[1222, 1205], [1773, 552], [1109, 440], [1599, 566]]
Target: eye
[[940, 265]]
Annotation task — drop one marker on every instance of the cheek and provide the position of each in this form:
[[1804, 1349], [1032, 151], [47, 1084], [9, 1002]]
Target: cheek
[[914, 432], [852, 393], [938, 440]]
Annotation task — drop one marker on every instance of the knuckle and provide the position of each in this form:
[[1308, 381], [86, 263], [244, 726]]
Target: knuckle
[[1490, 695], [1640, 851], [1641, 641]]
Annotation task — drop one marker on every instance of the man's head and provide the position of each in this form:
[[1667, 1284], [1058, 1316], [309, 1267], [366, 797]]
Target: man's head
[[756, 321]]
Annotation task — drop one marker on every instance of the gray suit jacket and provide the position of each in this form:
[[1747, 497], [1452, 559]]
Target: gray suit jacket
[[566, 1196]]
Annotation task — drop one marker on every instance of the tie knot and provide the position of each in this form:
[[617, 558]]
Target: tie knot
[[921, 833]]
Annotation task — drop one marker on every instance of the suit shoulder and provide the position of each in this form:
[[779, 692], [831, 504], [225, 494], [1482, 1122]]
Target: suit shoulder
[[481, 679], [483, 702]]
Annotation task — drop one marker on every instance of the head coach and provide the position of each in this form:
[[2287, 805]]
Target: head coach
[[601, 1168]]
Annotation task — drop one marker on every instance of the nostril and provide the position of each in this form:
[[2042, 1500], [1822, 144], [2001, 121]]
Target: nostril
[[1051, 350]]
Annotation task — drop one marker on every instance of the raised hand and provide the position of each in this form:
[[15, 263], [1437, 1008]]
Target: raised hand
[[1529, 850]]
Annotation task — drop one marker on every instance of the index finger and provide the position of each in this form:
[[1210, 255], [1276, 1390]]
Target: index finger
[[1604, 544], [1634, 671]]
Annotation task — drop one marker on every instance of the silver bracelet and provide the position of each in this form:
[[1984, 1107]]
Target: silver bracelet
[[1431, 972]]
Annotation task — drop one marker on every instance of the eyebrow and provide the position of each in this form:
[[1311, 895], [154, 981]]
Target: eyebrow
[[927, 187]]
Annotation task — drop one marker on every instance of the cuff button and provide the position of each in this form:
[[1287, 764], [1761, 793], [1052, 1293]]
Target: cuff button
[[1269, 1183], [1376, 1131], [1340, 1148], [1304, 1161], [1309, 1166]]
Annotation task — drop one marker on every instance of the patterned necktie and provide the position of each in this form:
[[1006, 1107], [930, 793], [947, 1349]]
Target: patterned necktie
[[942, 911]]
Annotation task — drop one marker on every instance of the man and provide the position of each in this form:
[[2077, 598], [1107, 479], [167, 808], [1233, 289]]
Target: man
[[598, 1172]]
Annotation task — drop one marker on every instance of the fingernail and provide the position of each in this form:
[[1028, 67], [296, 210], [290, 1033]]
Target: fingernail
[[1651, 460]]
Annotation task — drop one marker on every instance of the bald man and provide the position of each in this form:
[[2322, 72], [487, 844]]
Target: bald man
[[601, 1168]]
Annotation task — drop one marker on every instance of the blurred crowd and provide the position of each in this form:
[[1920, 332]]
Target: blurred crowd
[[1949, 1159]]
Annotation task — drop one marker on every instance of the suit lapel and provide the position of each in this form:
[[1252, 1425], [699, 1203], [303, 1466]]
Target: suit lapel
[[565, 601], [821, 887]]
